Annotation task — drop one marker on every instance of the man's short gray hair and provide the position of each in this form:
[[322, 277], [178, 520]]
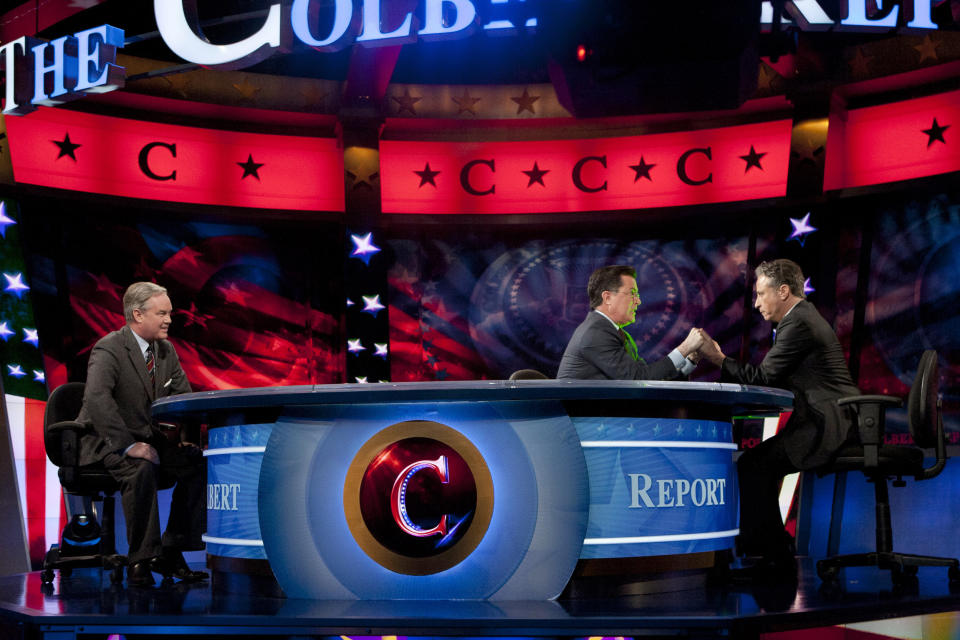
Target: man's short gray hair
[[783, 271], [137, 295]]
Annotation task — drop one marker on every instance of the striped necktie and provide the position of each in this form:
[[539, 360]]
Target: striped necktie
[[150, 363]]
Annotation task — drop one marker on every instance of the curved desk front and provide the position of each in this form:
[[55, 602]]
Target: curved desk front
[[466, 490]]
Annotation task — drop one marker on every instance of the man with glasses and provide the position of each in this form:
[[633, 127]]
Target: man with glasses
[[601, 350], [807, 359]]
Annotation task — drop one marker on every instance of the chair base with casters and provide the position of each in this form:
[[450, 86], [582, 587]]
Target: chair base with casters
[[880, 462], [84, 544]]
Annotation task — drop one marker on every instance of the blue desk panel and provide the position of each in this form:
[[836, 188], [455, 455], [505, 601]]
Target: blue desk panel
[[478, 490]]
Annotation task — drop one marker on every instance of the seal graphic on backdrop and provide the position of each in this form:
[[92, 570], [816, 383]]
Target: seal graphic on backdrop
[[527, 304], [913, 290], [418, 497]]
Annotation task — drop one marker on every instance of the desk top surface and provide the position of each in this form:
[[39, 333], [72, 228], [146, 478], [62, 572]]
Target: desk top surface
[[741, 398]]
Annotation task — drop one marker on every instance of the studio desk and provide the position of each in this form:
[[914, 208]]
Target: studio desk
[[500, 490]]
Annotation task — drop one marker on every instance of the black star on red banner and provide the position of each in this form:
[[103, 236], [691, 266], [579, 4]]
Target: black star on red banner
[[642, 170], [250, 167], [536, 175], [752, 159], [935, 133], [67, 148], [427, 176]]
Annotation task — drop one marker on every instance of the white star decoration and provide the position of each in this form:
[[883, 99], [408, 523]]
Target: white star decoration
[[38, 376], [807, 287], [363, 247], [16, 371], [5, 220], [801, 228], [15, 284], [371, 305], [354, 346], [5, 331], [30, 335], [381, 349]]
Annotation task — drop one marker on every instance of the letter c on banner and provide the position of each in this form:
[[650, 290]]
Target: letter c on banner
[[578, 169], [465, 178], [682, 167], [398, 497], [145, 158]]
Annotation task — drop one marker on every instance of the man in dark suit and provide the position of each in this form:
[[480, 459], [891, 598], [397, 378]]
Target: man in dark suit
[[127, 371], [601, 350], [807, 359]]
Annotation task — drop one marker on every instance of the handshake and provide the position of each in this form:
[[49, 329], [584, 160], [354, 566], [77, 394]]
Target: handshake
[[699, 345]]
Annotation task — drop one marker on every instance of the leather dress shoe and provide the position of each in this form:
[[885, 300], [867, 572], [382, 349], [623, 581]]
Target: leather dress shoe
[[139, 574], [173, 564]]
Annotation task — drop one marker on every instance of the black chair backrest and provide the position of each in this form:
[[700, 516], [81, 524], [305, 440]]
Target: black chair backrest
[[64, 404], [922, 409], [528, 374]]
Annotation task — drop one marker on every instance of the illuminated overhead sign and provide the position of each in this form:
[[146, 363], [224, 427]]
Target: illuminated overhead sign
[[893, 142], [42, 73], [120, 157], [661, 170], [809, 15], [179, 26]]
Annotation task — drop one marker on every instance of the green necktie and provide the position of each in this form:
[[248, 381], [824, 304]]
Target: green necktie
[[630, 346]]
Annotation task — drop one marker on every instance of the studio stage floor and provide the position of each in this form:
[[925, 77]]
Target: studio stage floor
[[87, 605]]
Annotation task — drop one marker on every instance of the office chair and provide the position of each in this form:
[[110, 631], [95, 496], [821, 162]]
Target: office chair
[[528, 374], [84, 543], [879, 462]]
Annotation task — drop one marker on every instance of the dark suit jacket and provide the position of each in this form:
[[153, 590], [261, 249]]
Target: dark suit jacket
[[807, 359], [596, 352], [117, 397]]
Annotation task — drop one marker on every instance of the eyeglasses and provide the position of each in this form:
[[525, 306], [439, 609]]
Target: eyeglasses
[[632, 293]]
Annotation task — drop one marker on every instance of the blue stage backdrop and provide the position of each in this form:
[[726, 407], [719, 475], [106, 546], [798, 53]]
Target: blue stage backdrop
[[462, 309], [914, 300]]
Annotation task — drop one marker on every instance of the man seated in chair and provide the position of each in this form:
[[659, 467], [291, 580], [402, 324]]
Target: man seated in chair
[[807, 359], [129, 369], [601, 350]]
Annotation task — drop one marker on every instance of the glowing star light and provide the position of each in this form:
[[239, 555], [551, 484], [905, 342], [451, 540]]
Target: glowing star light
[[801, 228], [15, 284], [5, 220], [381, 349], [30, 335], [5, 332], [807, 287], [363, 247], [371, 305], [361, 379], [354, 346], [16, 371], [38, 376]]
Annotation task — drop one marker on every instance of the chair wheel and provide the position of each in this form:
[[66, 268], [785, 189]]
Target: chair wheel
[[826, 572], [46, 576]]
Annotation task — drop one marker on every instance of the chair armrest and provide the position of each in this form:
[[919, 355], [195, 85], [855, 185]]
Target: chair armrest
[[871, 412], [67, 425], [887, 401], [64, 437]]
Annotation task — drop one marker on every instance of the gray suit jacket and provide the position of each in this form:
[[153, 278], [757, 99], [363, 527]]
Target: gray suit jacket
[[596, 352], [118, 394], [807, 359]]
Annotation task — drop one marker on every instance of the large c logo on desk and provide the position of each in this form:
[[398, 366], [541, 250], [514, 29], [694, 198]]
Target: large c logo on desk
[[418, 497]]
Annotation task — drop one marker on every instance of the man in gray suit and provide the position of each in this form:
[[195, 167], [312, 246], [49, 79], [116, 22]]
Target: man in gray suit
[[807, 359], [128, 370], [601, 350]]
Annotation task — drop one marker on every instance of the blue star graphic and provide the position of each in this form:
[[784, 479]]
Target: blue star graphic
[[381, 349], [801, 228], [16, 371], [15, 284], [38, 376], [5, 332], [371, 305], [807, 287], [442, 374], [30, 335], [354, 346], [5, 220], [363, 247]]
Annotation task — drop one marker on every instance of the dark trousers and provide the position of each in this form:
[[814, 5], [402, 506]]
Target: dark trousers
[[760, 471], [139, 482]]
